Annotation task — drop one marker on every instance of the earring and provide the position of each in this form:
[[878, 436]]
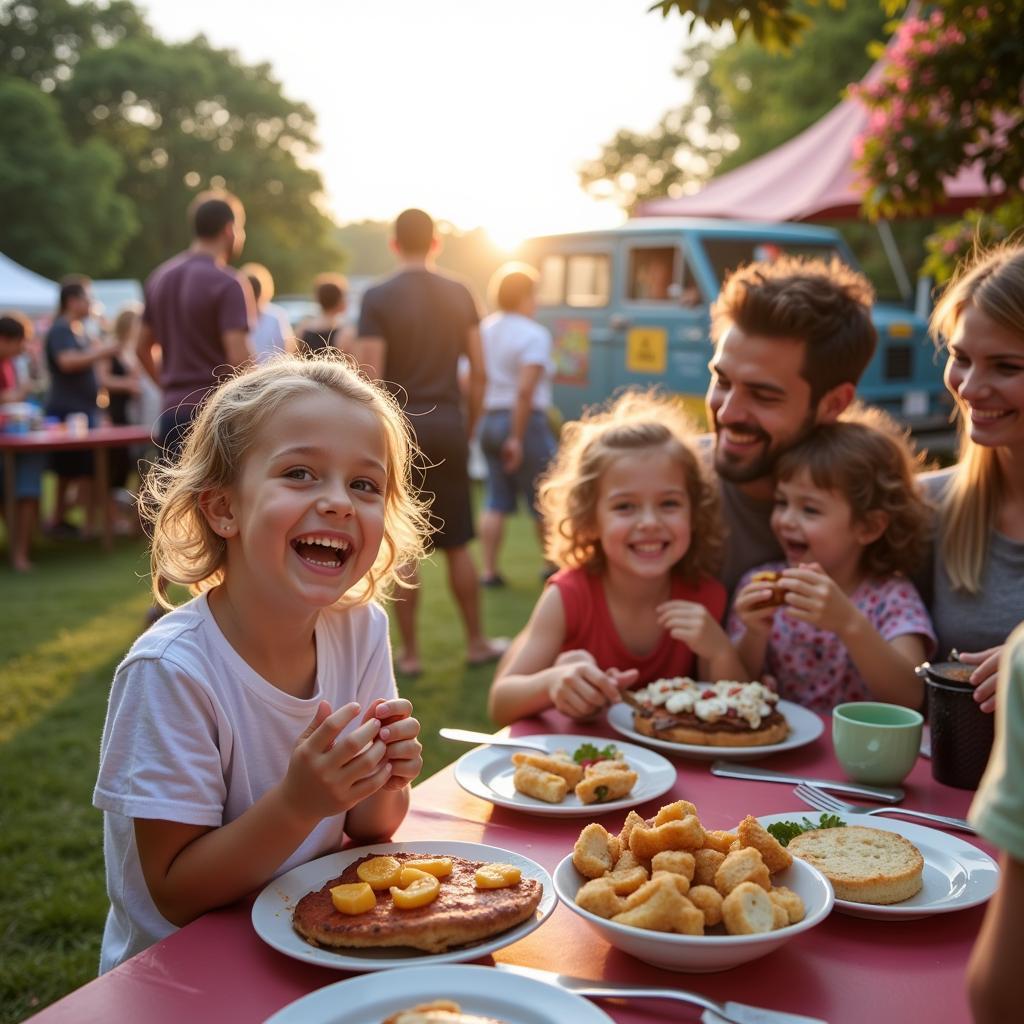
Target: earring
[[226, 528]]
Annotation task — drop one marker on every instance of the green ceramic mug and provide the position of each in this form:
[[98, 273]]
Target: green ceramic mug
[[876, 743]]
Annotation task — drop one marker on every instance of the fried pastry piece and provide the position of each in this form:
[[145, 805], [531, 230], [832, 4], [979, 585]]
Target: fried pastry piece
[[679, 862], [599, 897], [675, 811], [780, 919], [686, 834], [708, 901], [681, 882], [557, 764], [595, 851], [632, 820], [719, 840], [625, 882], [541, 785], [705, 863], [659, 906], [599, 787], [626, 862], [741, 866], [748, 910], [753, 834], [789, 901]]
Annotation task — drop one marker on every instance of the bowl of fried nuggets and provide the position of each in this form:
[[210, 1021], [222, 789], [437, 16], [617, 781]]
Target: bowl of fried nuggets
[[679, 896]]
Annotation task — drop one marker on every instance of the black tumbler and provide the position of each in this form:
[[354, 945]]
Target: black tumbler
[[962, 733]]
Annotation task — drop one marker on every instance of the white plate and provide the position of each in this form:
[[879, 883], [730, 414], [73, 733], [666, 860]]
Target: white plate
[[956, 874], [272, 911], [487, 772], [479, 990], [804, 727], [702, 954]]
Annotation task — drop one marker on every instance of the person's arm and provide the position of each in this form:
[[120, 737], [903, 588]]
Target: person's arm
[[370, 353], [512, 447], [537, 677], [995, 983], [117, 383], [691, 623], [190, 869], [146, 351], [886, 666], [76, 360], [237, 347], [477, 379]]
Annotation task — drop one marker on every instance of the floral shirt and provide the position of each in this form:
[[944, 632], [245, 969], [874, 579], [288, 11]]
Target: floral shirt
[[811, 666]]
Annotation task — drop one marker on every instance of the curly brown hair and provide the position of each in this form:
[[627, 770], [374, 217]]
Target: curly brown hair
[[867, 458], [825, 305], [568, 492]]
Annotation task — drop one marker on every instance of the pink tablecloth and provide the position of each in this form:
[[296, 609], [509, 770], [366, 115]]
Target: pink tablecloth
[[846, 970]]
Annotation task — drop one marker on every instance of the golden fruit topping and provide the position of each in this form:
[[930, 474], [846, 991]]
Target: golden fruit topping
[[497, 876], [353, 898], [418, 893], [440, 867], [380, 872]]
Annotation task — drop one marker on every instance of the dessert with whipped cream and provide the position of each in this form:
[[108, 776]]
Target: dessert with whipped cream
[[722, 714]]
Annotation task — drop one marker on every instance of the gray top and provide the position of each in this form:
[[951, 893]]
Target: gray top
[[979, 621], [749, 539]]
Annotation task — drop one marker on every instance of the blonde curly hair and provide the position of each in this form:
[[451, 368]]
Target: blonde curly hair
[[183, 547], [568, 492], [867, 458]]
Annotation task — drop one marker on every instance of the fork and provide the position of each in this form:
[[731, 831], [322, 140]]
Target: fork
[[823, 801]]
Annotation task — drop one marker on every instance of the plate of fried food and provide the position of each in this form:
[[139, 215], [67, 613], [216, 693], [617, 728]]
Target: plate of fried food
[[685, 898], [888, 869], [370, 908], [574, 776], [452, 993], [737, 720]]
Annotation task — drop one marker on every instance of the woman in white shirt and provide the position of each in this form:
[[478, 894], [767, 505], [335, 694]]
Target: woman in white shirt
[[515, 434]]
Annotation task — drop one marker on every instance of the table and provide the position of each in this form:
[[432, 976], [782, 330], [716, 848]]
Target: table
[[99, 440], [846, 970]]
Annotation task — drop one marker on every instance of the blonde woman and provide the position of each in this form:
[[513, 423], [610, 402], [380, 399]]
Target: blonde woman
[[252, 728], [978, 578]]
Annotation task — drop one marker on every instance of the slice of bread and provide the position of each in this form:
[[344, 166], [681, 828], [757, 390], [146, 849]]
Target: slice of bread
[[864, 865]]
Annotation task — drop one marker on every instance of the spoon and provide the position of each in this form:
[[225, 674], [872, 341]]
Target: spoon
[[468, 736]]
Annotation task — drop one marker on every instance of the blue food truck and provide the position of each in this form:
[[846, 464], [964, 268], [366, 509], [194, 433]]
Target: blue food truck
[[631, 306]]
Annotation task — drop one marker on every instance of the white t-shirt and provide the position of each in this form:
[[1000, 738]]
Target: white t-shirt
[[271, 332], [194, 735], [510, 342]]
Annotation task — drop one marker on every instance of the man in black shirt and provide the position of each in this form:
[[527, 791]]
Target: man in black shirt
[[413, 328]]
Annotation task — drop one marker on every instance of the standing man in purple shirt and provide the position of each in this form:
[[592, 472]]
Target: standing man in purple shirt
[[198, 313]]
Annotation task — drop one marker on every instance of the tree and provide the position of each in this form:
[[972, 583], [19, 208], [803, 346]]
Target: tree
[[62, 211]]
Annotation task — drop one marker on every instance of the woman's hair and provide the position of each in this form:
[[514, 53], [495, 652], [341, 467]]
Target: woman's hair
[[126, 321], [868, 459], [568, 493], [184, 549], [511, 285], [994, 283]]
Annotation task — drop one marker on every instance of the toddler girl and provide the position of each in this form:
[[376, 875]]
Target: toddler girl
[[634, 527], [853, 525], [249, 728]]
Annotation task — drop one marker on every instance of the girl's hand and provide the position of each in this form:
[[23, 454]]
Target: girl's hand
[[984, 677], [399, 731], [581, 689], [327, 775], [692, 624], [755, 619], [813, 596]]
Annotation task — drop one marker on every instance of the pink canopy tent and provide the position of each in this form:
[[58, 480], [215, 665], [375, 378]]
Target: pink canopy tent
[[810, 177]]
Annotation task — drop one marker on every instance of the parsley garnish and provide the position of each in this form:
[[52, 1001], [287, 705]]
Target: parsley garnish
[[588, 752], [601, 792], [784, 831]]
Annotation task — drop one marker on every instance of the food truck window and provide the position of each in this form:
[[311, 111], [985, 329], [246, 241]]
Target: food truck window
[[588, 279], [662, 274], [727, 254], [551, 290]]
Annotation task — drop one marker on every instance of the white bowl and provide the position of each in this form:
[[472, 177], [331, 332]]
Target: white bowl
[[701, 954]]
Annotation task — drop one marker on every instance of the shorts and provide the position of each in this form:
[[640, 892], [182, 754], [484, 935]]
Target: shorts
[[442, 475], [538, 448], [28, 475]]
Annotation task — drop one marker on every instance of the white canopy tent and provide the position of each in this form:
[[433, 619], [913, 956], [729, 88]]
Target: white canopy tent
[[25, 291]]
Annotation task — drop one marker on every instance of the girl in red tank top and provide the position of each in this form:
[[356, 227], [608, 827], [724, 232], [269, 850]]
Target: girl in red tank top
[[633, 525]]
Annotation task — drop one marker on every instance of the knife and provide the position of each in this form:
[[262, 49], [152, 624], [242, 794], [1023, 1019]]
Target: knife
[[882, 794], [729, 1012], [469, 736]]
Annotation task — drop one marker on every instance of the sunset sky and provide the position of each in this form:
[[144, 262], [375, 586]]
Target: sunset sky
[[479, 111]]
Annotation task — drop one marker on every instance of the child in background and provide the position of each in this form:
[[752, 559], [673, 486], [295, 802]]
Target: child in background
[[634, 527], [252, 727], [853, 525], [994, 979]]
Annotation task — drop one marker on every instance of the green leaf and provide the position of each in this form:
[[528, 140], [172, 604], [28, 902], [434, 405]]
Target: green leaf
[[588, 752], [601, 792], [785, 831]]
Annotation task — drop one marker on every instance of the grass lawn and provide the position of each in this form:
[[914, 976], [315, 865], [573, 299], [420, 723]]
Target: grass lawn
[[63, 630]]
